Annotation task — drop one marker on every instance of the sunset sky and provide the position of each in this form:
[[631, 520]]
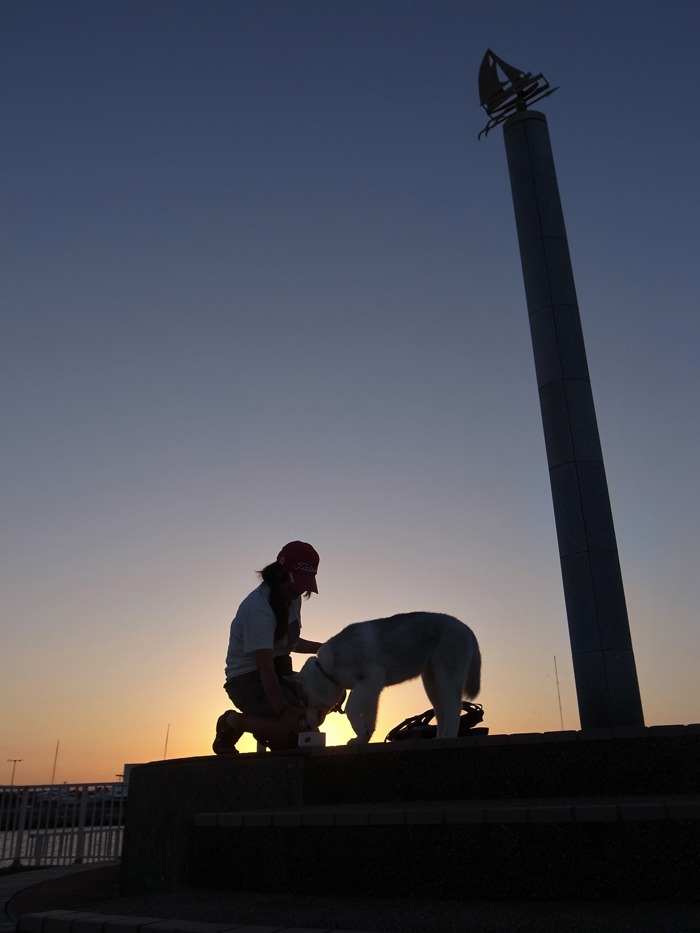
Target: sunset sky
[[260, 282]]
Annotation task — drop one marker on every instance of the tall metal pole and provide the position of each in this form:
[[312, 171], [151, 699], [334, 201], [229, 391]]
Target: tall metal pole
[[601, 645]]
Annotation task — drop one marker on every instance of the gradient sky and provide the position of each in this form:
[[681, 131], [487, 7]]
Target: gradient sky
[[260, 282]]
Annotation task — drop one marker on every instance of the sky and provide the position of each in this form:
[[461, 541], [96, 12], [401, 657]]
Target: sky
[[260, 282]]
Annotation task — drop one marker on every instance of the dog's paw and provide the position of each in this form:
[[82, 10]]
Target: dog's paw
[[357, 740]]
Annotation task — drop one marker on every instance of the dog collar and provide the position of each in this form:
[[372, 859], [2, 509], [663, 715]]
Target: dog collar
[[338, 708]]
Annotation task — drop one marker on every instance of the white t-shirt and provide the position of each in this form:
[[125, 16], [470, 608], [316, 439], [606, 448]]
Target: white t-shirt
[[253, 627]]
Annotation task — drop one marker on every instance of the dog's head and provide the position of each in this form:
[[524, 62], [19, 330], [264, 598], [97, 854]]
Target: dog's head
[[317, 692]]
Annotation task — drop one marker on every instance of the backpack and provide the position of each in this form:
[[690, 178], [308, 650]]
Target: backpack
[[418, 727]]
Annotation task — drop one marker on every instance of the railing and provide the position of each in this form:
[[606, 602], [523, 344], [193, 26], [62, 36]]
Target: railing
[[60, 824]]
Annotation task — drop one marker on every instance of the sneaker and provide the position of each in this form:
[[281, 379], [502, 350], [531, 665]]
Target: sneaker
[[226, 737]]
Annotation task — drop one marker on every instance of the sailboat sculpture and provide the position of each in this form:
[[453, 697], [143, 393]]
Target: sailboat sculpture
[[502, 97]]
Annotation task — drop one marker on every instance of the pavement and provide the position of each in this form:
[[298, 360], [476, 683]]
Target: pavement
[[37, 889], [91, 892]]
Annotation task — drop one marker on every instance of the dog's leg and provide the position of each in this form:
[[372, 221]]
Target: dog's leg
[[434, 696], [449, 728], [369, 716], [448, 708], [361, 707]]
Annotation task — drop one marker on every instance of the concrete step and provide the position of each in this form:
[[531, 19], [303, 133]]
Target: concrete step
[[592, 848], [590, 762]]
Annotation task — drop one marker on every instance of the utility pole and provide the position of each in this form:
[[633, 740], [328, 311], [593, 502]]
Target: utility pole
[[601, 644]]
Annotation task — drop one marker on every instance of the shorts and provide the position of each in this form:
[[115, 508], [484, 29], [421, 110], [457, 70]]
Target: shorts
[[247, 694]]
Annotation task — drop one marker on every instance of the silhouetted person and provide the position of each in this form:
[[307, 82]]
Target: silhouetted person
[[264, 631]]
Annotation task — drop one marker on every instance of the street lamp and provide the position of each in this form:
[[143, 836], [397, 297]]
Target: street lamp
[[14, 765]]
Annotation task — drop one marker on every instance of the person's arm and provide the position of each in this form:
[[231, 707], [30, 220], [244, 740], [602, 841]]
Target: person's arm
[[289, 716], [304, 646]]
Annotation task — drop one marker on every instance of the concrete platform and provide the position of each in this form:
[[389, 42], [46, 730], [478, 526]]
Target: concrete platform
[[557, 816], [84, 900], [453, 809]]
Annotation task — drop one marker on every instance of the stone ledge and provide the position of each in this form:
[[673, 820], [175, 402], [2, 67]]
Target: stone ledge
[[551, 812], [506, 738]]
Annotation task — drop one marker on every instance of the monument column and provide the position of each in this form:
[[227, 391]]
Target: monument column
[[601, 645]]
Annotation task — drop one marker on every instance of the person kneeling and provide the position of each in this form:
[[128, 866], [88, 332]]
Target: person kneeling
[[264, 631]]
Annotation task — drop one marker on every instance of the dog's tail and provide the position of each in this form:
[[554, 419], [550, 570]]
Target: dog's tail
[[472, 685]]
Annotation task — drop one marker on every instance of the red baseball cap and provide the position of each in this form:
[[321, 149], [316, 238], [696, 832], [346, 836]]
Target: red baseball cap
[[301, 560]]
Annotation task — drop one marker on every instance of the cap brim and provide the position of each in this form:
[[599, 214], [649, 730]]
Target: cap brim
[[304, 582]]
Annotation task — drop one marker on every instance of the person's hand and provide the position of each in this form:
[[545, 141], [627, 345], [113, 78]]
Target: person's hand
[[293, 718]]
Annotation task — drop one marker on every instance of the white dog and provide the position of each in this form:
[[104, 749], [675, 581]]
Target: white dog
[[367, 656]]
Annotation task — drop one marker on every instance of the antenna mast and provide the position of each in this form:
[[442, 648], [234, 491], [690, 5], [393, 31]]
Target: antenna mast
[[556, 676], [55, 759]]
